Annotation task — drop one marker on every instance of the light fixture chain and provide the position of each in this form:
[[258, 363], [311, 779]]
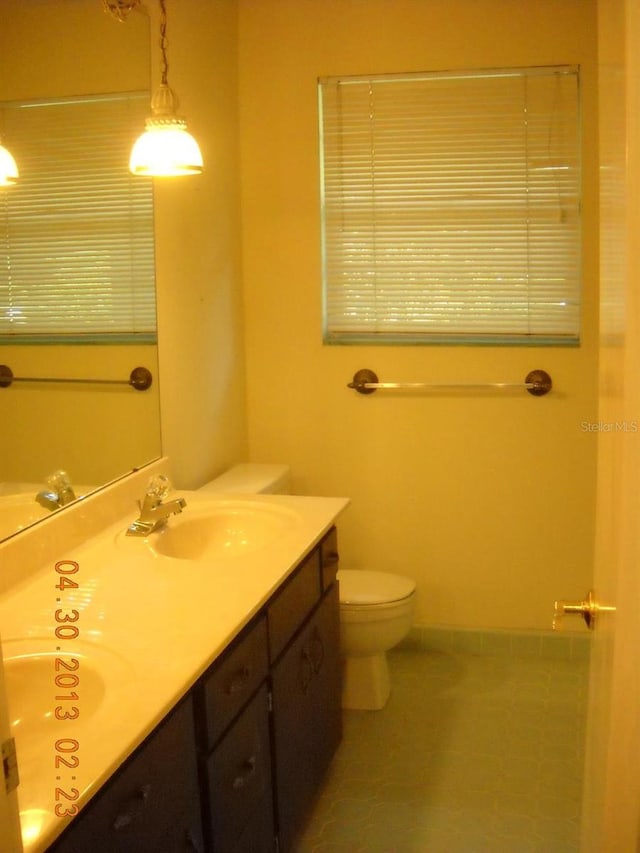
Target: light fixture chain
[[166, 148], [163, 42]]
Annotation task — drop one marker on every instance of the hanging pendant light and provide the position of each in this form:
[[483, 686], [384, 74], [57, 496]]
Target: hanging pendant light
[[165, 149], [8, 168]]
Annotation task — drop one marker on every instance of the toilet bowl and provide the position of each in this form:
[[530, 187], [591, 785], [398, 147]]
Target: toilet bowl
[[376, 613]]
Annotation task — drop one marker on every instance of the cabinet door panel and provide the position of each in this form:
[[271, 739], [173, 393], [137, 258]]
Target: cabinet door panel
[[259, 835], [307, 717], [239, 779], [292, 718], [327, 684], [151, 804]]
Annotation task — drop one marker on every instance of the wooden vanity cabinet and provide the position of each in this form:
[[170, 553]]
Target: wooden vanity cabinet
[[307, 717], [329, 558], [238, 780], [264, 773], [151, 803], [306, 686], [232, 705], [236, 766], [231, 681], [293, 603]]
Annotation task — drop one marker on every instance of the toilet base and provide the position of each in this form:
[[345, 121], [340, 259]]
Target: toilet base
[[366, 684]]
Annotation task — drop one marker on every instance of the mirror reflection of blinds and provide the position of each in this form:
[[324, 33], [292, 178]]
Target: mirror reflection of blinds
[[451, 207], [76, 231]]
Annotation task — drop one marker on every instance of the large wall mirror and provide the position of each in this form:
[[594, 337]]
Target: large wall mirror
[[95, 431]]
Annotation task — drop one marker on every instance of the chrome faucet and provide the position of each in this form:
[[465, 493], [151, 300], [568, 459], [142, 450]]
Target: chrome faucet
[[154, 514], [59, 491]]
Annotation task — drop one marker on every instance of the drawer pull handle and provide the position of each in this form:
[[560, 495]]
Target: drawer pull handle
[[306, 670], [317, 652], [238, 680], [331, 558], [248, 770], [136, 805]]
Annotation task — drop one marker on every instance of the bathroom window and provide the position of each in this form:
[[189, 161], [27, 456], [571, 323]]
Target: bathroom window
[[76, 230], [451, 207]]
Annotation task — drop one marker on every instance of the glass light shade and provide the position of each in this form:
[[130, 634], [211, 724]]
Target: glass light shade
[[8, 168], [165, 149]]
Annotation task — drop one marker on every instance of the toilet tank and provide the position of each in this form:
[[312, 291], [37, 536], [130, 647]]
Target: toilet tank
[[252, 478]]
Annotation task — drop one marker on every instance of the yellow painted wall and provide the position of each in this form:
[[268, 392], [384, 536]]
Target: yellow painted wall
[[486, 499], [200, 328]]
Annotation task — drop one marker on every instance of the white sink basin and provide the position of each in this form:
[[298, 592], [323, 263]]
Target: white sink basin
[[49, 690], [229, 528]]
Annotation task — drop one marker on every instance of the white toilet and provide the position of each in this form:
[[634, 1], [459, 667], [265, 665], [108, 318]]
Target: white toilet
[[376, 608], [376, 613]]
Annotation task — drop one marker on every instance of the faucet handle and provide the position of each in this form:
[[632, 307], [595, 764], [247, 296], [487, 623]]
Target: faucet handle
[[159, 487], [59, 483], [58, 480]]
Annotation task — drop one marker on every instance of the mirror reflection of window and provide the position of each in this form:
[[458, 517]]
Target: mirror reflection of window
[[76, 232]]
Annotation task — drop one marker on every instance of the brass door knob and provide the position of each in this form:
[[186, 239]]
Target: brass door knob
[[588, 609]]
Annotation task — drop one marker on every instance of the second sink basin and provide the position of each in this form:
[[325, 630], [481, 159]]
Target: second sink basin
[[49, 691], [229, 528]]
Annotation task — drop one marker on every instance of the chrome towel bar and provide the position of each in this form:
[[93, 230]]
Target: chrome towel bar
[[140, 378], [537, 382]]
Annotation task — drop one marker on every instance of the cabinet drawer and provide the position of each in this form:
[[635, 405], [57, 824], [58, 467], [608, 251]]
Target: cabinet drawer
[[239, 780], [151, 804], [329, 558], [293, 603], [234, 679]]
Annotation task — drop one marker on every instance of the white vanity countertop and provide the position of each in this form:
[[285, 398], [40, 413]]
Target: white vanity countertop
[[148, 627]]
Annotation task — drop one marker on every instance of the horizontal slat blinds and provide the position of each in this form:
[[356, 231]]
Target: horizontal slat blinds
[[76, 231], [451, 207]]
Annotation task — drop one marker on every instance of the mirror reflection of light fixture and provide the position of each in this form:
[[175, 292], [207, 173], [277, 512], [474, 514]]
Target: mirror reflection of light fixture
[[8, 168], [120, 8], [165, 149]]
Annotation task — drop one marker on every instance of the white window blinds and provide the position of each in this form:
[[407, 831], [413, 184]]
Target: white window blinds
[[76, 231], [451, 207]]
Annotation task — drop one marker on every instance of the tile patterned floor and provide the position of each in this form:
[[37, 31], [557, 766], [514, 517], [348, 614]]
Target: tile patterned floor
[[473, 753]]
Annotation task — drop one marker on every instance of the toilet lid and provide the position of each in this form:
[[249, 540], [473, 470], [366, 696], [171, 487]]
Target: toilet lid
[[362, 587]]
